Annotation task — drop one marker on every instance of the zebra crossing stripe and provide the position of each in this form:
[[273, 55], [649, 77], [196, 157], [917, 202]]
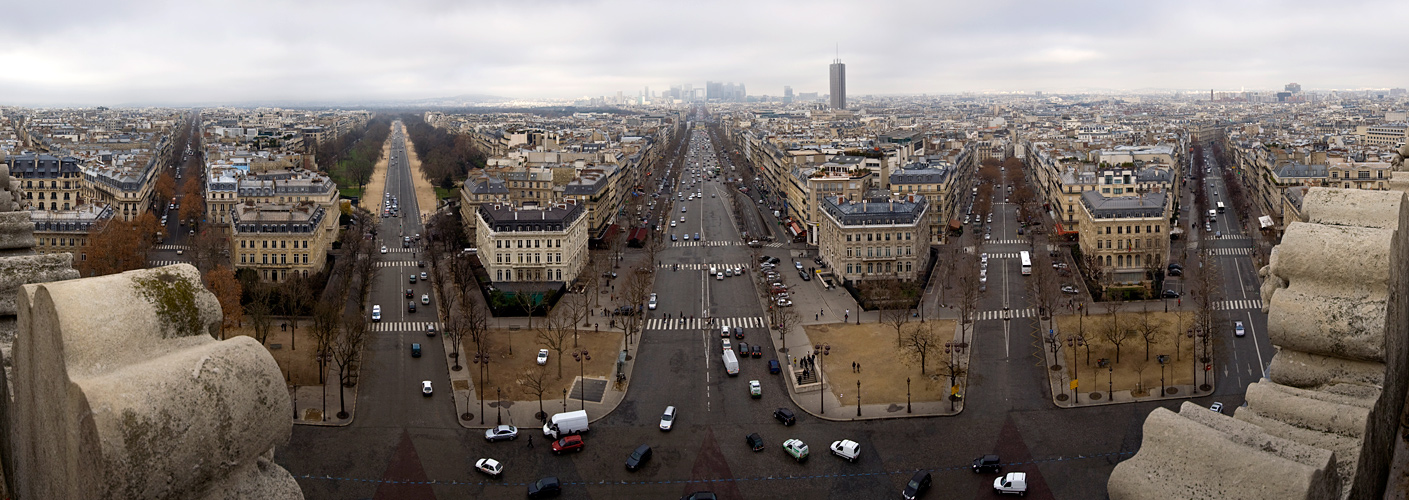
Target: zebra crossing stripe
[[1014, 313], [404, 326], [162, 263], [702, 323], [698, 267], [1230, 251], [397, 263], [1237, 305]]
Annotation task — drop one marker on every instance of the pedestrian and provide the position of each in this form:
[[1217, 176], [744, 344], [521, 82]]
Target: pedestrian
[[816, 317], [530, 440]]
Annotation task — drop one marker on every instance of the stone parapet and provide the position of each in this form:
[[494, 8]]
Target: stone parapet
[[1335, 295]]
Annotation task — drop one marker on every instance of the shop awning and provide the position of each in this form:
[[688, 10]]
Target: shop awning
[[1266, 221]]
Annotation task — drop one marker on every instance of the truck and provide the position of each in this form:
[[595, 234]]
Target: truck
[[731, 363], [563, 424]]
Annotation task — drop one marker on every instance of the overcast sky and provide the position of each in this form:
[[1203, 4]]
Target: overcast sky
[[106, 52]]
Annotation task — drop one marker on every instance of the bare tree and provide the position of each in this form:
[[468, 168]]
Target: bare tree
[[968, 294], [1140, 366], [326, 320], [553, 334], [1149, 328], [787, 319], [475, 324], [881, 294], [638, 289], [1182, 317], [346, 352], [535, 382], [1043, 287], [530, 302], [260, 312], [575, 308], [1113, 332], [921, 341]]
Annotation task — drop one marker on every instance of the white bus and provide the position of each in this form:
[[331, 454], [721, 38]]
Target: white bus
[[1027, 262], [1220, 207]]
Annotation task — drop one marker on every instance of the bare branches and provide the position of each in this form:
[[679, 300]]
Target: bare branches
[[554, 336], [920, 342]]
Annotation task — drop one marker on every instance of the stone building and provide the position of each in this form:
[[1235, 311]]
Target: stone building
[[221, 194], [875, 239], [532, 244], [280, 239], [49, 182], [937, 185], [1125, 234], [66, 231]]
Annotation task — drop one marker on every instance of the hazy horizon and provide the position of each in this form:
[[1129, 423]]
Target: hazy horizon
[[146, 52]]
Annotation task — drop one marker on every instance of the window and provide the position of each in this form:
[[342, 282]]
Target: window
[[848, 237], [848, 252], [1100, 244], [1118, 229], [1108, 230]]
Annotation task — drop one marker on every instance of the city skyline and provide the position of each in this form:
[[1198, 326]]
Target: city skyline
[[143, 52]]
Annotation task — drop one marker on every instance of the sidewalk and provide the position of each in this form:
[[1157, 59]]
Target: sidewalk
[[308, 402], [1059, 383]]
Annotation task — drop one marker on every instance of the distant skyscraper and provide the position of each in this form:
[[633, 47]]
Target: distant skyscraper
[[1293, 87], [787, 95], [838, 84]]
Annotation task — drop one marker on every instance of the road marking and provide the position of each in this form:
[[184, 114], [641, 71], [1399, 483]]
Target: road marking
[[1250, 331], [704, 323], [1235, 305]]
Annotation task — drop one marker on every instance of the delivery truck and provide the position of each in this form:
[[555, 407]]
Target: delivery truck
[[731, 363], [563, 424]]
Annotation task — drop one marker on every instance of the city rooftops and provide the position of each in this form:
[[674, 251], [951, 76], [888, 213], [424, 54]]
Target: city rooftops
[[1145, 205], [1299, 171], [919, 173], [301, 217], [867, 213], [78, 220], [506, 217]]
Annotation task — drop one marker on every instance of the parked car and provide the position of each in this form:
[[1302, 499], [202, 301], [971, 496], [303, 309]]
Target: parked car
[[1175, 272], [501, 433], [918, 485], [667, 420], [489, 466], [1070, 289], [785, 416], [987, 463], [796, 448], [542, 356], [1170, 294], [425, 298], [846, 448], [568, 443], [755, 441], [547, 487]]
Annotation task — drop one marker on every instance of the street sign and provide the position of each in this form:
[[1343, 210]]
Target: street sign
[[1208, 367], [1073, 384]]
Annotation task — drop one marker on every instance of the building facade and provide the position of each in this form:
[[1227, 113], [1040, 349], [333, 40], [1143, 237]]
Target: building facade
[[532, 244], [838, 79], [279, 240], [1126, 235], [49, 182], [872, 240], [59, 231]]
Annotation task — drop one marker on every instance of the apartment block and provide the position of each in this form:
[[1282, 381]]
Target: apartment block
[[1126, 234], [881, 238], [532, 244], [280, 240], [59, 231]]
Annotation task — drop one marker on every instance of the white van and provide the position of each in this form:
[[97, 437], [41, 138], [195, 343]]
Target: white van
[[731, 363], [563, 424]]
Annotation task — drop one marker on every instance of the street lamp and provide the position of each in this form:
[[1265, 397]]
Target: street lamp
[[481, 356], [498, 406], [1074, 341], [1161, 358], [858, 397], [952, 349], [907, 394], [824, 350], [581, 357]]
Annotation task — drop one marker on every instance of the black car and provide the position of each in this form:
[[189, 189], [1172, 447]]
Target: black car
[[785, 416], [1175, 265], [804, 275], [917, 485], [410, 293], [755, 441], [638, 457], [744, 349], [411, 306], [700, 495], [987, 463], [545, 488], [1176, 272], [738, 332], [1171, 294]]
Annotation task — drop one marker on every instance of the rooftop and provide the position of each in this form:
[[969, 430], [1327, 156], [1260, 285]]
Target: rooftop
[[1145, 205]]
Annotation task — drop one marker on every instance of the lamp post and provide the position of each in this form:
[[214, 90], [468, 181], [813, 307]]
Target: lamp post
[[952, 349], [858, 397], [498, 407], [823, 350], [1161, 358], [1074, 341], [481, 357], [565, 400], [907, 394], [581, 357]]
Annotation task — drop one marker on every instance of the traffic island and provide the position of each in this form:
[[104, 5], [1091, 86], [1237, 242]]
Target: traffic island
[[890, 380], [499, 386], [1085, 369], [295, 349]]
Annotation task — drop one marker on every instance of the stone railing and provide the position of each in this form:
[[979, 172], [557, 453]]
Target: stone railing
[[1322, 424]]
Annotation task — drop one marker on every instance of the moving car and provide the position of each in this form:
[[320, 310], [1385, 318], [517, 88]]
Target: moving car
[[796, 449], [638, 457], [425, 298], [1170, 294], [755, 389], [415, 350], [410, 306], [667, 420], [489, 466], [652, 303], [501, 433], [919, 483], [846, 448], [755, 441], [542, 356], [410, 293], [756, 351], [1238, 329], [1013, 483], [1070, 289], [568, 443], [545, 488], [774, 366], [987, 463], [425, 388], [785, 416], [1216, 406], [384, 249], [376, 313]]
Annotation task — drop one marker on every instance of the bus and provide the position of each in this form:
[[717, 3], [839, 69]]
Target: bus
[[1026, 259], [1220, 207]]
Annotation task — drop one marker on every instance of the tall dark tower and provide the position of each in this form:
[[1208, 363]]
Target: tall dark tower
[[838, 84]]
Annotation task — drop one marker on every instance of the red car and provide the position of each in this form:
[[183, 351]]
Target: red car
[[568, 443]]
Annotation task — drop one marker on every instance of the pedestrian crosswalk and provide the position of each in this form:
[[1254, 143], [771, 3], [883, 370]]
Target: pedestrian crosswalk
[[1229, 251], [1233, 237], [400, 250], [1014, 313], [161, 263], [171, 247], [1002, 255], [775, 245], [701, 323], [404, 326], [1237, 305], [704, 267], [397, 263], [697, 243]]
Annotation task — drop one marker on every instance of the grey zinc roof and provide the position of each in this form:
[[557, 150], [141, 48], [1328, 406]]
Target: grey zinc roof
[[866, 213], [1298, 170], [1154, 174], [918, 176], [489, 186], [1121, 207]]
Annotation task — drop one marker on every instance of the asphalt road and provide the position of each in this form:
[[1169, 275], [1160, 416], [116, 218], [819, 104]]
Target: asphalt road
[[399, 436]]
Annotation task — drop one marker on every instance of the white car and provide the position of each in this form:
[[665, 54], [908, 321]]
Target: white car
[[848, 449], [785, 303], [755, 389], [542, 356], [668, 419], [376, 313], [1238, 329], [727, 345], [501, 433], [425, 298], [652, 304], [425, 387], [490, 466], [672, 223], [383, 249]]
